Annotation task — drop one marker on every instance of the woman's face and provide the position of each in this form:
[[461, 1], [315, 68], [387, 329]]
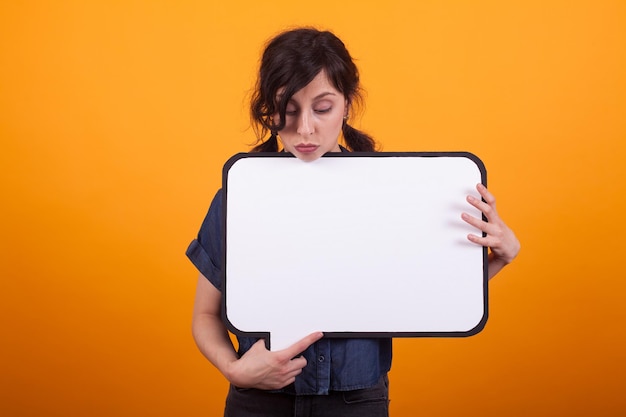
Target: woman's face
[[314, 119]]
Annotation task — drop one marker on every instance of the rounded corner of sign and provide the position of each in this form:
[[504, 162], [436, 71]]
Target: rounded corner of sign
[[226, 320], [234, 159], [231, 327], [480, 326], [479, 164]]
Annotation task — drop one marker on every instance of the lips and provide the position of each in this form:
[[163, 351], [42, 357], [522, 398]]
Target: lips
[[306, 147]]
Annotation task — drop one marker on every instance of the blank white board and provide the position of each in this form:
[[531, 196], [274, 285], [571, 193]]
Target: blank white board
[[352, 244]]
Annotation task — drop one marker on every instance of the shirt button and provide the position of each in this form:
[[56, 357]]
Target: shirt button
[[321, 358]]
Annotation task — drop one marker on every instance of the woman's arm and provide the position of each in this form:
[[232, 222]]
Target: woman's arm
[[257, 368], [501, 240]]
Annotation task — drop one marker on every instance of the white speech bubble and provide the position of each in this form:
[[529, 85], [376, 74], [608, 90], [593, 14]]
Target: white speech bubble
[[352, 244]]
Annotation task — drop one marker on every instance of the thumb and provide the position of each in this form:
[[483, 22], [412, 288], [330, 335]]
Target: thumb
[[259, 345]]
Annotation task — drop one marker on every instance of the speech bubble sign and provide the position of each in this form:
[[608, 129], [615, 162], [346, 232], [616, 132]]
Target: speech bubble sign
[[352, 244]]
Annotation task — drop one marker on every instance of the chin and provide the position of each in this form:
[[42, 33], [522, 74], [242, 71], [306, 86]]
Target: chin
[[307, 157]]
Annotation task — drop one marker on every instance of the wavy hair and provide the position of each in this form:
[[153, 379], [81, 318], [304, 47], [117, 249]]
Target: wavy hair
[[289, 62]]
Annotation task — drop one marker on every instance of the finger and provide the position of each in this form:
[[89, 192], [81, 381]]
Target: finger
[[488, 210], [473, 221], [486, 194], [479, 224], [302, 345], [482, 241], [296, 366]]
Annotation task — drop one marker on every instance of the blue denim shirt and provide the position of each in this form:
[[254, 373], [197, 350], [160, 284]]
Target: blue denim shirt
[[333, 364]]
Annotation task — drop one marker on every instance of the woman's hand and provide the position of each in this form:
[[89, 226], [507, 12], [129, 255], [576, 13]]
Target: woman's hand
[[501, 240], [258, 367], [263, 369]]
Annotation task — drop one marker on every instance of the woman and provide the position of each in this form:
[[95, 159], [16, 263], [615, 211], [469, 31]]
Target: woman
[[307, 86]]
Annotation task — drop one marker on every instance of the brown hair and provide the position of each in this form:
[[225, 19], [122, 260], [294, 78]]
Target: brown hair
[[290, 61]]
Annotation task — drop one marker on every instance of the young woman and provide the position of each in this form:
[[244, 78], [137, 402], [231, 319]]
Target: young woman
[[306, 88]]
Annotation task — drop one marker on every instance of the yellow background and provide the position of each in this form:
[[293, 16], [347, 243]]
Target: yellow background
[[116, 118]]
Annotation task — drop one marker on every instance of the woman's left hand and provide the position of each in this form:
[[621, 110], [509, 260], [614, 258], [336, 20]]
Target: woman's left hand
[[499, 238]]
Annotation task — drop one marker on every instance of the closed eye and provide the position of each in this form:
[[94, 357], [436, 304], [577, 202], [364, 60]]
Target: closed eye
[[322, 111]]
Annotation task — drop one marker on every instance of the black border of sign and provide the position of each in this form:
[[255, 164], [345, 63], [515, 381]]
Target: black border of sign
[[266, 335]]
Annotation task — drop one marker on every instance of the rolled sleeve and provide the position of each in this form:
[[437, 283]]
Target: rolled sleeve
[[205, 252]]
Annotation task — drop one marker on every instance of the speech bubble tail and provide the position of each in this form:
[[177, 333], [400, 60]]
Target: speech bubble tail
[[275, 342]]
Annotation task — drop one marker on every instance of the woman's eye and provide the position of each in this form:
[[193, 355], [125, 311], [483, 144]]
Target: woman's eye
[[290, 112], [323, 110]]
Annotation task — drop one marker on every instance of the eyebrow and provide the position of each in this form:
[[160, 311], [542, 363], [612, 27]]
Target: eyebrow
[[317, 97], [322, 95]]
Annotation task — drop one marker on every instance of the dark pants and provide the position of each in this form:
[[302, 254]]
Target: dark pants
[[368, 402]]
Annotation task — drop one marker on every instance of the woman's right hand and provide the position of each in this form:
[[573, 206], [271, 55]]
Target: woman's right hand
[[258, 367], [263, 369]]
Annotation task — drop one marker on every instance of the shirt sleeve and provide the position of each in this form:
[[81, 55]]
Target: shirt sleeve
[[205, 252]]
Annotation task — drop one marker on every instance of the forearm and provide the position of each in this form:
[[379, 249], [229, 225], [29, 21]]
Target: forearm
[[214, 343], [208, 329]]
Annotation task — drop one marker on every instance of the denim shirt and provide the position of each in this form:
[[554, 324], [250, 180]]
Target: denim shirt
[[333, 364]]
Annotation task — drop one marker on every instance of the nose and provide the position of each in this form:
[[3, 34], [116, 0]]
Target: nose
[[305, 127]]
